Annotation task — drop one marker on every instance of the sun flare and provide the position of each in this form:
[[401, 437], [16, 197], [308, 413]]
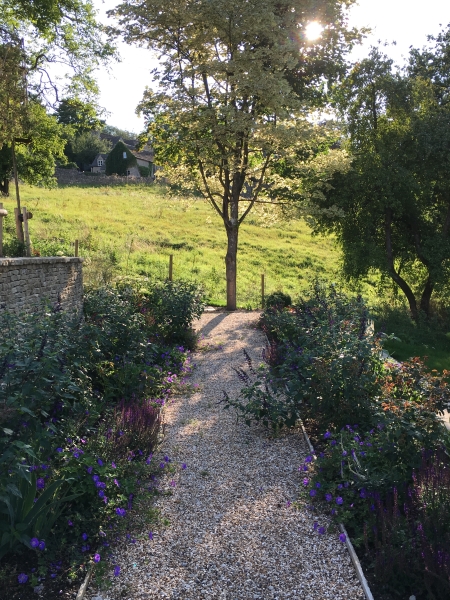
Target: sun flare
[[313, 30]]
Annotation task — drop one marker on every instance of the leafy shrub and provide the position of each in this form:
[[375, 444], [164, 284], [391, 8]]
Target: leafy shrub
[[170, 308], [76, 391], [321, 358], [277, 301]]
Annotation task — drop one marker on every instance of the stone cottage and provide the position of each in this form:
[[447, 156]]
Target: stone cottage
[[144, 157]]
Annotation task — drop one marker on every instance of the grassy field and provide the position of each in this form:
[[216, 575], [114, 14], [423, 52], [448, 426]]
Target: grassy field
[[132, 230]]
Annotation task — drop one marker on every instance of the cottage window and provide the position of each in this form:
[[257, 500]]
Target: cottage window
[[100, 162], [128, 172]]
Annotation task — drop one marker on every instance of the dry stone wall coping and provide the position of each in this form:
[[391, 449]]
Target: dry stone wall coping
[[39, 260]]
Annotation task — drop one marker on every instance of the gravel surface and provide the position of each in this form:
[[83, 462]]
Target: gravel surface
[[233, 533]]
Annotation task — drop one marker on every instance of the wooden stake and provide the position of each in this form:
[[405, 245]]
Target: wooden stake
[[76, 247], [19, 228], [262, 290], [27, 233], [170, 267], [3, 213]]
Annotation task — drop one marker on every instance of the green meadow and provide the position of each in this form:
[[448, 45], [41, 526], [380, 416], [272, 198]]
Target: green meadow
[[131, 230]]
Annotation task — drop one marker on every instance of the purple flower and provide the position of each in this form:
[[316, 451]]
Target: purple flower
[[305, 481], [321, 530], [167, 459], [173, 483], [333, 511], [116, 570], [363, 494], [85, 536], [328, 497], [34, 542], [89, 470], [339, 500], [113, 464], [345, 453], [101, 493], [22, 578], [116, 482], [312, 493], [318, 485], [308, 459], [343, 537], [150, 535], [327, 435], [69, 523], [362, 454], [96, 558], [42, 545], [95, 478], [184, 466], [53, 575], [162, 465], [40, 484], [121, 512], [340, 486], [59, 449], [100, 462], [100, 485], [316, 525], [333, 442]]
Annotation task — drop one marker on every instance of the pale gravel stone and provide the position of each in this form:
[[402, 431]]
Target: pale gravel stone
[[232, 535]]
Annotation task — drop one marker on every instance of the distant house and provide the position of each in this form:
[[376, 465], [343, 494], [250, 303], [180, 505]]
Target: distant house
[[98, 164], [144, 157]]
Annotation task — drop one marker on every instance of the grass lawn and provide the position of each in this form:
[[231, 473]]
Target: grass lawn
[[132, 230]]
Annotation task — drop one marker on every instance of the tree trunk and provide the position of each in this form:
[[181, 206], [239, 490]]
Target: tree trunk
[[402, 284], [4, 186], [426, 297], [231, 264]]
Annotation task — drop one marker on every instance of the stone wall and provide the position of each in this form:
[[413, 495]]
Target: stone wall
[[27, 283], [74, 177]]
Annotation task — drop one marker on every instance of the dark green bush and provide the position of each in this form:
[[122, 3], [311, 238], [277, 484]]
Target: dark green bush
[[277, 301], [170, 308], [77, 391]]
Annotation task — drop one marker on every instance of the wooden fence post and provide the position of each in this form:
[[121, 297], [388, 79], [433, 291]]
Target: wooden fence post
[[262, 290], [26, 232], [171, 267], [76, 247], [3, 213]]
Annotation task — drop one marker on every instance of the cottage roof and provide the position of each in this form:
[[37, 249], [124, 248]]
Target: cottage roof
[[94, 162]]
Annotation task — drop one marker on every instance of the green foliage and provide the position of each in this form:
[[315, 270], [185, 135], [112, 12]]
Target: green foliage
[[389, 209], [277, 300], [324, 356], [241, 78], [80, 115], [116, 163], [170, 308], [85, 147], [144, 171], [78, 393]]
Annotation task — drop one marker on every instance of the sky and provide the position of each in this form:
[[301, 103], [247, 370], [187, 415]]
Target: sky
[[407, 22]]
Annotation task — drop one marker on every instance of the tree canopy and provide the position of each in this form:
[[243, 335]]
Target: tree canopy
[[236, 81], [389, 200]]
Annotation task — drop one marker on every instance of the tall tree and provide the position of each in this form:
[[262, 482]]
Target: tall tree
[[389, 202], [236, 81], [35, 159]]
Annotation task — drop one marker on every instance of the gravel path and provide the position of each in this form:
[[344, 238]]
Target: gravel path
[[233, 534]]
